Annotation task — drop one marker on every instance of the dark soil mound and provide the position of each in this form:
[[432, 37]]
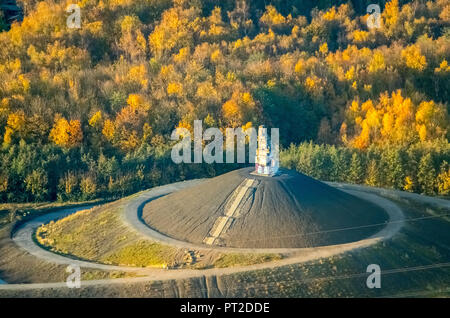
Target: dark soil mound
[[288, 210]]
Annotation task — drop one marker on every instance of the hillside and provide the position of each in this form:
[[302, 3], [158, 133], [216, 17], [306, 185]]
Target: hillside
[[289, 210]]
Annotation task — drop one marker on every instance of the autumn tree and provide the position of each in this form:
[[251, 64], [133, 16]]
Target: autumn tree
[[443, 180], [132, 40], [66, 133], [175, 31]]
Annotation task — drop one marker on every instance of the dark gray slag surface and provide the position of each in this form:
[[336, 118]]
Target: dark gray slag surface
[[291, 210]]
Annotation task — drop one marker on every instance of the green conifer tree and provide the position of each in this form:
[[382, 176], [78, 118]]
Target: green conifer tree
[[427, 175]]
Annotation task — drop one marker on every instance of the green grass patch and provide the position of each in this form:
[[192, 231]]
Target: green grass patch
[[144, 254]]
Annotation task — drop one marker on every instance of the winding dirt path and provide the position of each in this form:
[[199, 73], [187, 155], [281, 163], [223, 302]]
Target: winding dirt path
[[394, 194], [24, 238], [134, 221]]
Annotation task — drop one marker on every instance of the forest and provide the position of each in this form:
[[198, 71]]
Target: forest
[[87, 112]]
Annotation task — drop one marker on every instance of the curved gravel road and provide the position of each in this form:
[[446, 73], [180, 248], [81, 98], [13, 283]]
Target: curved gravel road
[[24, 238], [134, 220], [395, 194]]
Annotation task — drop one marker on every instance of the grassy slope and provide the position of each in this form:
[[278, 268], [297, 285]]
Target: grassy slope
[[99, 235]]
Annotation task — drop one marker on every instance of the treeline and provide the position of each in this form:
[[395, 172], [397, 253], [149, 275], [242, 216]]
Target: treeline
[[415, 168], [51, 173], [31, 172]]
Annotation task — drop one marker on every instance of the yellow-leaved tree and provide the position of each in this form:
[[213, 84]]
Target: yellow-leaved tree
[[66, 133], [390, 121]]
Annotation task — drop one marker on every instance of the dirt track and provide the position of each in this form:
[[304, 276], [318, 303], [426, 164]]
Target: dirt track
[[395, 194], [24, 238]]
